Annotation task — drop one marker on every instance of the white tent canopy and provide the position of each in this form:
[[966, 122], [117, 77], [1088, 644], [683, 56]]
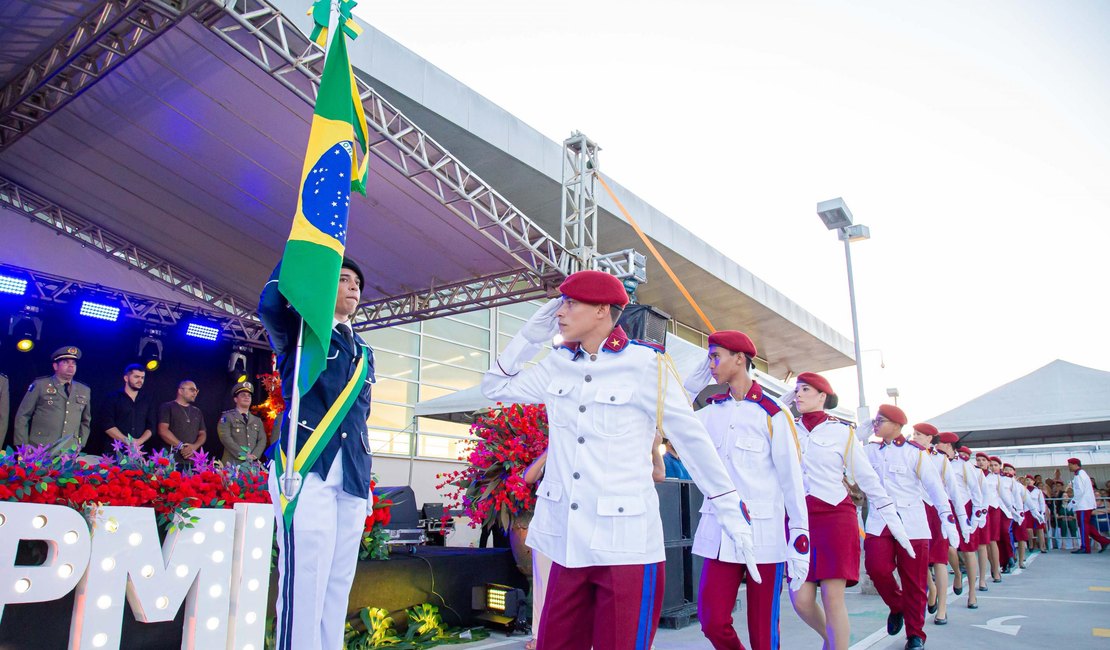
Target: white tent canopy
[[1061, 402], [464, 402]]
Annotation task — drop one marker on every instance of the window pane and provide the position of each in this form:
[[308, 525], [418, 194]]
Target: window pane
[[454, 354], [438, 447], [432, 392], [508, 325], [393, 390], [479, 318], [388, 364], [390, 442], [389, 416], [433, 425], [456, 331], [447, 376], [394, 340], [521, 309]]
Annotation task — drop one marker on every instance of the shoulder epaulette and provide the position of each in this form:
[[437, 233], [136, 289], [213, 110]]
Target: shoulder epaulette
[[648, 344], [718, 398], [769, 405], [917, 445]]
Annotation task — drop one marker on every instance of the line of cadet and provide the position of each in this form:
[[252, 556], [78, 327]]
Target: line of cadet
[[56, 413]]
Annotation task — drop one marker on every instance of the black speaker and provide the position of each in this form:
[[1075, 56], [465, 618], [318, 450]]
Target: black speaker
[[675, 590], [433, 511], [645, 322], [403, 512], [670, 509]]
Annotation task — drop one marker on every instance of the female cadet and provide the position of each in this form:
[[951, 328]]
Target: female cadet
[[829, 452]]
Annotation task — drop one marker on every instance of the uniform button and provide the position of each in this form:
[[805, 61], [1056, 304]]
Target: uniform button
[[621, 509], [589, 378], [574, 506], [577, 475], [581, 440], [612, 398], [343, 435], [549, 493], [582, 409], [560, 391], [593, 357]]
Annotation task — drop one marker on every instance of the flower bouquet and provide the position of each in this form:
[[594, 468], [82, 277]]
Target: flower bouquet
[[374, 536]]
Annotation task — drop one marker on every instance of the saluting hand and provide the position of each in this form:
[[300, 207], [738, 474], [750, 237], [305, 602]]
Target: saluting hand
[[543, 326]]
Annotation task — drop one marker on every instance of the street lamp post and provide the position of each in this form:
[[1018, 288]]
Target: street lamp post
[[836, 216]]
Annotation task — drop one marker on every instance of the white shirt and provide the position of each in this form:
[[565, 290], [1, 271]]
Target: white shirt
[[1082, 491], [829, 453], [905, 471], [756, 441], [1018, 492], [990, 490], [970, 478], [948, 478], [597, 504]]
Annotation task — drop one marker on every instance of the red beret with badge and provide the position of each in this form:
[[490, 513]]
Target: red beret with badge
[[733, 340], [926, 429], [894, 414], [595, 288]]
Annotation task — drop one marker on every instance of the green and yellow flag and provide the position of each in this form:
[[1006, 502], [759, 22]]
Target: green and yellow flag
[[309, 277]]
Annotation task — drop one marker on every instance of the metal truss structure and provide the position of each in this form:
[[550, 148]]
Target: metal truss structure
[[578, 215], [65, 222], [100, 41], [274, 43], [45, 287]]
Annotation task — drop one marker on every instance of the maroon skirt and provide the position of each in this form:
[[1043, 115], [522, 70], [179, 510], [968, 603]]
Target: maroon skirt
[[1021, 528], [972, 543], [834, 541], [938, 543], [994, 525]]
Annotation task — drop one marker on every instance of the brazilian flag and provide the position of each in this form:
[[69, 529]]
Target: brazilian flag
[[309, 277]]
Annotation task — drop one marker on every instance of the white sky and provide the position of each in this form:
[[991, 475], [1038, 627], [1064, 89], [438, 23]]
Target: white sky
[[973, 138]]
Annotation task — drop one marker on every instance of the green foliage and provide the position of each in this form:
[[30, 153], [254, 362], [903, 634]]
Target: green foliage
[[426, 629]]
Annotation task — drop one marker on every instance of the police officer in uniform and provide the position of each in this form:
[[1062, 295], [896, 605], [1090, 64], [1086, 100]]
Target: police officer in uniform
[[240, 431], [56, 407], [3, 409]]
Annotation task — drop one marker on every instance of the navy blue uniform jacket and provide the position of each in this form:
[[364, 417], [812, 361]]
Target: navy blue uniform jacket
[[282, 324]]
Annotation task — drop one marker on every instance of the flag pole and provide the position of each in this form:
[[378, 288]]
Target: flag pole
[[291, 481]]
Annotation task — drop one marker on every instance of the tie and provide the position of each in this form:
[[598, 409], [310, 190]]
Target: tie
[[66, 387], [347, 335], [245, 420]]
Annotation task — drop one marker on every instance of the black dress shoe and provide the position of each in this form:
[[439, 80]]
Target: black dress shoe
[[914, 643], [983, 589], [940, 621], [996, 580], [932, 609], [1104, 547], [957, 591], [973, 605], [1006, 570], [1078, 551], [894, 623]]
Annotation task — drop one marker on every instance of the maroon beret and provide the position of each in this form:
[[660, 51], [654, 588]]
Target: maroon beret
[[733, 340], [925, 429], [949, 437], [964, 450], [982, 454], [1029, 476], [1007, 466], [995, 459], [1074, 461], [894, 414], [821, 385], [595, 288]]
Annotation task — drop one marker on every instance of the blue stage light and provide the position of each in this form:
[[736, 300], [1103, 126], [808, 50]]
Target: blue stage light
[[203, 332], [13, 285], [99, 310]]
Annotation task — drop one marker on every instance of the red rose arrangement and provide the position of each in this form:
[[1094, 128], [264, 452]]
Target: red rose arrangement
[[374, 536], [492, 488]]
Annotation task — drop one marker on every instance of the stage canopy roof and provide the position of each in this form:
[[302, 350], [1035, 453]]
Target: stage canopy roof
[[1061, 402], [169, 135]]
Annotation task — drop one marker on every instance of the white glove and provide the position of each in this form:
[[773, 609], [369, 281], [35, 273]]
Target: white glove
[[698, 379], [790, 397], [966, 530], [733, 518], [981, 518], [543, 326], [797, 558], [953, 535], [894, 524]]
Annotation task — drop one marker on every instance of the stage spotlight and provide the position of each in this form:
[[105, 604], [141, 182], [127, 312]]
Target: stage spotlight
[[150, 349], [499, 604], [12, 284], [237, 364], [202, 331], [99, 310], [25, 328]]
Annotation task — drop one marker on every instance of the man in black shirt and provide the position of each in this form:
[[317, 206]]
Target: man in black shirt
[[128, 411]]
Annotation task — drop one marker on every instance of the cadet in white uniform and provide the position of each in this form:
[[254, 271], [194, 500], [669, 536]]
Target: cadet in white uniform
[[974, 516], [755, 438], [831, 452], [597, 512]]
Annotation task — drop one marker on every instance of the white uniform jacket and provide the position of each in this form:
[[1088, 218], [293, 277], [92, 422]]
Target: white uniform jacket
[[1006, 495], [990, 490], [947, 478], [829, 453], [905, 470], [1018, 492], [1032, 505], [756, 441], [970, 478], [1082, 492], [597, 504]]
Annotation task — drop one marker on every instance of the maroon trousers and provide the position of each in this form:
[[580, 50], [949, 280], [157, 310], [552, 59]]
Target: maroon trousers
[[1088, 531], [882, 555], [603, 607], [720, 583], [1005, 540]]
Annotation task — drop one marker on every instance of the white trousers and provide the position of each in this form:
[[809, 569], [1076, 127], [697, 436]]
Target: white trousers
[[541, 571], [317, 557]]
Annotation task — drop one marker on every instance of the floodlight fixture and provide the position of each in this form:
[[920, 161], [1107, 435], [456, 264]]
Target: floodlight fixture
[[834, 213], [202, 330], [237, 363], [99, 310], [150, 349], [13, 284], [25, 328]]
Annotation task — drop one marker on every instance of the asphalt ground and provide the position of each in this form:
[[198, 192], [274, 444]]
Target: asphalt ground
[[1059, 600]]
